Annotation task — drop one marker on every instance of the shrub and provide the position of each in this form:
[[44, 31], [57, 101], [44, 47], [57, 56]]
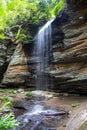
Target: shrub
[[60, 5], [6, 99], [28, 94], [7, 122]]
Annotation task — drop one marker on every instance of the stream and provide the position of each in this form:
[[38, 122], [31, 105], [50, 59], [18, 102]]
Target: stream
[[39, 117]]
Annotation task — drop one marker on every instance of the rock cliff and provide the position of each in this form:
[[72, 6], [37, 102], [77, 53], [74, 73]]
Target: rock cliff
[[17, 71], [6, 51], [70, 55], [68, 64]]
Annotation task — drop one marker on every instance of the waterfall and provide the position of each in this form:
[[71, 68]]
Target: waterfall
[[42, 50]]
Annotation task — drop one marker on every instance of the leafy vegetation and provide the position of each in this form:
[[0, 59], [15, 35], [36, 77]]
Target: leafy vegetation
[[1, 91], [28, 94], [7, 122], [7, 103], [58, 7], [75, 105], [19, 19], [6, 99], [7, 118], [12, 91]]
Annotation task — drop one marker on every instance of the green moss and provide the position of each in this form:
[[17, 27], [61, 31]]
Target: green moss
[[83, 126]]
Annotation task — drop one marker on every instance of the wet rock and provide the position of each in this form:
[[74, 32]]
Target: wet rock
[[37, 119], [22, 104], [44, 94]]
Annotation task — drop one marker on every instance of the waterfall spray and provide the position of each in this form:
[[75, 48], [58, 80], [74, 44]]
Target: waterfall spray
[[43, 46]]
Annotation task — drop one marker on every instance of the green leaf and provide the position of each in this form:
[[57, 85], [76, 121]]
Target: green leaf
[[1, 91], [58, 7], [11, 91], [2, 36], [75, 105], [8, 122], [6, 99], [7, 104], [28, 94], [28, 13]]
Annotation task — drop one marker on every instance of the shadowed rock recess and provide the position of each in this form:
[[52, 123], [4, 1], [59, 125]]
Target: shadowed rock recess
[[68, 59], [6, 51]]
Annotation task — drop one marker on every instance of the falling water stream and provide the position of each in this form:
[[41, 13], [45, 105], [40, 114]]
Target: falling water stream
[[43, 46]]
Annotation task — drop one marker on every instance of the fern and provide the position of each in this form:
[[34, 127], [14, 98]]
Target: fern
[[8, 121]]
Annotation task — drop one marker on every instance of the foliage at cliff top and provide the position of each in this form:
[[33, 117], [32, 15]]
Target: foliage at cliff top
[[18, 16]]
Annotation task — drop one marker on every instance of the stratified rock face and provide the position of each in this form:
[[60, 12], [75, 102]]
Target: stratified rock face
[[17, 71], [70, 61]]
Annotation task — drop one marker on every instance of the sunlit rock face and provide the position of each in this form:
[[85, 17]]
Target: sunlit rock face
[[17, 71]]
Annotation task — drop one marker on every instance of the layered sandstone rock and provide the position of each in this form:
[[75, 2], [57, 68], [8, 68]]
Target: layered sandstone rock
[[70, 61], [17, 71]]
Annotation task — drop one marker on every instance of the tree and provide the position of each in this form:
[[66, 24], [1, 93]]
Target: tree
[[17, 17]]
